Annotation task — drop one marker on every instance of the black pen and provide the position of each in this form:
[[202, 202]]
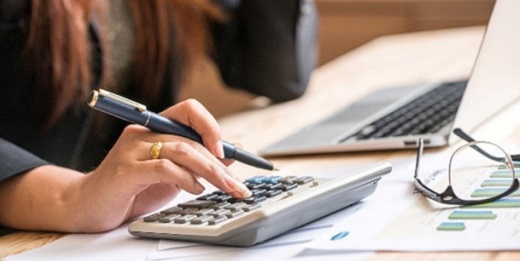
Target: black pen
[[134, 112]]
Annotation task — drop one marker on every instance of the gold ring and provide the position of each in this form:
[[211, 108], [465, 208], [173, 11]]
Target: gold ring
[[155, 150]]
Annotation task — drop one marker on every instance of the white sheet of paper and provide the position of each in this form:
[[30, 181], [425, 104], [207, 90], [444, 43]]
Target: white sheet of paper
[[289, 245], [397, 219], [114, 245]]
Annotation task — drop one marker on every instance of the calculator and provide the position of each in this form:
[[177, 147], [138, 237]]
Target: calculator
[[278, 204]]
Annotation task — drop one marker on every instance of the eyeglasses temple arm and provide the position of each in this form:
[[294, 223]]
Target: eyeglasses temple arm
[[418, 159], [467, 138]]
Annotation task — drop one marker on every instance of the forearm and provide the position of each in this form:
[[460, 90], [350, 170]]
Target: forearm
[[51, 198], [44, 198]]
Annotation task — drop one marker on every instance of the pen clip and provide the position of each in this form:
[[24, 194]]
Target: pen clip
[[113, 96]]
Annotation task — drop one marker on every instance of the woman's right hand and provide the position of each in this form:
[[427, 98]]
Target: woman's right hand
[[129, 183]]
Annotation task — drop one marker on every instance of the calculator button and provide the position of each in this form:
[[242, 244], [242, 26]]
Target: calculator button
[[216, 220], [219, 205], [288, 186], [236, 206], [196, 204], [201, 220], [288, 179], [207, 197], [186, 211], [203, 211], [258, 191], [252, 186], [252, 200], [223, 198], [153, 217], [235, 213], [171, 210], [272, 193], [273, 186], [168, 218], [184, 219], [303, 180], [219, 213], [272, 179], [256, 180], [251, 207]]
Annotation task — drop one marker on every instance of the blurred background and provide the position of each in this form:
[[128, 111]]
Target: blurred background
[[344, 26], [347, 24]]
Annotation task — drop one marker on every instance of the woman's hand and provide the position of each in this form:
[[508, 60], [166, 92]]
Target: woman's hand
[[128, 183]]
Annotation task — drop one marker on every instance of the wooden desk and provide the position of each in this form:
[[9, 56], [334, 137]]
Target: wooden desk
[[387, 61]]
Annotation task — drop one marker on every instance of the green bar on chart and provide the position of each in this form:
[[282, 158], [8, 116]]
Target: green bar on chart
[[490, 192], [501, 203], [516, 165], [503, 173], [451, 226], [469, 214], [496, 183]]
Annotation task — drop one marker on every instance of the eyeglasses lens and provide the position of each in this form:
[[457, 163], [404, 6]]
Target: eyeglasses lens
[[474, 176]]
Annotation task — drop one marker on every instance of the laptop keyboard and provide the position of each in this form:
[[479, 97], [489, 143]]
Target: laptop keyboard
[[428, 113]]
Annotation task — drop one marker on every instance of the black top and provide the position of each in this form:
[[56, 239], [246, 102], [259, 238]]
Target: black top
[[267, 48]]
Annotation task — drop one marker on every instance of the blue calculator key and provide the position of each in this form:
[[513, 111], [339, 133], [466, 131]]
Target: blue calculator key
[[257, 179], [273, 179]]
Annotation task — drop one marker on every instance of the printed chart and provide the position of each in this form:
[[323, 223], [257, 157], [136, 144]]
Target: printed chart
[[401, 219]]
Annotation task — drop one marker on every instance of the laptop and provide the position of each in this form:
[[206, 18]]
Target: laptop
[[395, 118]]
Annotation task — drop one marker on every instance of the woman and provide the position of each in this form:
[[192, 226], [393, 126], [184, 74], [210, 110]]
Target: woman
[[53, 52]]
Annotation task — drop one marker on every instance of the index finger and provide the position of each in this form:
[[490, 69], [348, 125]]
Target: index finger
[[193, 114]]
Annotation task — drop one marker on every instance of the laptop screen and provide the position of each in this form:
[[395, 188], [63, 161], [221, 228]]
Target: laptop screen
[[495, 80]]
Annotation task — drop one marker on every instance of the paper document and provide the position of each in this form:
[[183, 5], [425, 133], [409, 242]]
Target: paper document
[[399, 219], [288, 245], [114, 245]]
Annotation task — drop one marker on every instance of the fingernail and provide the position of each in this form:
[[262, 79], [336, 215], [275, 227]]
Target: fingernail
[[239, 189], [199, 188], [220, 150]]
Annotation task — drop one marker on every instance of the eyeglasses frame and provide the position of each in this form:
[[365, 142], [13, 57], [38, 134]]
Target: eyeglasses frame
[[448, 196]]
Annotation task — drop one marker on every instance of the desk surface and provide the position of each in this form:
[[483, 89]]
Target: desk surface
[[387, 61]]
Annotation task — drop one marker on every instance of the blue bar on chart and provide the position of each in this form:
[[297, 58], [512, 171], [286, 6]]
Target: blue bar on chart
[[472, 214], [451, 226]]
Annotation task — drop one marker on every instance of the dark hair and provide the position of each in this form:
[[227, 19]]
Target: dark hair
[[59, 52]]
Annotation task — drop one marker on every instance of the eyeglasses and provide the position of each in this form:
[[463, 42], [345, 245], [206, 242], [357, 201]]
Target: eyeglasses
[[479, 164]]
